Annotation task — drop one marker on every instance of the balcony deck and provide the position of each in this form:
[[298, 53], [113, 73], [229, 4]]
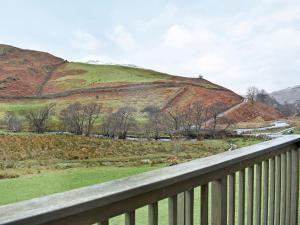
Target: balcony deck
[[267, 176]]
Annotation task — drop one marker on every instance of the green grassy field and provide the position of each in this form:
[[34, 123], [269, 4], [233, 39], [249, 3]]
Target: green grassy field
[[92, 74]]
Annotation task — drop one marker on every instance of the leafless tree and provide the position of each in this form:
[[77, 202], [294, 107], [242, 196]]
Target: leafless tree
[[252, 94], [79, 118], [199, 117], [187, 120], [91, 112], [126, 121], [38, 119], [13, 124], [155, 124], [215, 110], [118, 124]]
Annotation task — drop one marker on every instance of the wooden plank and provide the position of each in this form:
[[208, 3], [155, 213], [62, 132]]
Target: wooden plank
[[250, 192], [272, 191], [288, 187], [153, 214], [130, 218], [224, 200], [283, 189], [265, 188], [216, 202], [189, 207], [231, 199], [104, 222], [257, 213], [277, 190], [173, 210], [180, 208], [204, 204], [241, 197], [295, 187], [84, 205]]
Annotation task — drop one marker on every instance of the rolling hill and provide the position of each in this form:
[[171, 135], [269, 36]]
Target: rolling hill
[[289, 95], [31, 79]]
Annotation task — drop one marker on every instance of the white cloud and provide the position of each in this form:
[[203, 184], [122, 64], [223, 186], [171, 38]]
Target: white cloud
[[86, 41], [122, 38]]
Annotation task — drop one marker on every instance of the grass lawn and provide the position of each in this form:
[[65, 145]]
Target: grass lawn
[[31, 186]]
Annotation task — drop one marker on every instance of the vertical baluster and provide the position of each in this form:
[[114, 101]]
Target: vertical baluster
[[283, 189], [130, 218], [241, 198], [153, 214], [204, 204], [189, 207], [277, 190], [216, 202], [272, 191], [294, 187], [231, 199], [288, 187], [250, 196], [173, 210], [224, 200], [257, 217], [265, 187], [180, 208], [105, 222]]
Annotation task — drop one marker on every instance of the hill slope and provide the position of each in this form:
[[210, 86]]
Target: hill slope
[[289, 95], [31, 79]]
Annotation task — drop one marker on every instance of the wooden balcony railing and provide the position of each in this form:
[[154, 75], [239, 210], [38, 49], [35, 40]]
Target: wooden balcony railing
[[256, 185]]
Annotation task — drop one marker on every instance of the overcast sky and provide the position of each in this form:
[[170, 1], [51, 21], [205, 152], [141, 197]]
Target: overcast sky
[[236, 44]]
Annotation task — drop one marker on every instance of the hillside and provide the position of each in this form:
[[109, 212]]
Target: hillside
[[31, 79], [289, 95]]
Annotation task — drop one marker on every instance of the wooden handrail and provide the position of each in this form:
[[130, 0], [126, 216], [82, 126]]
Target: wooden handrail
[[103, 201]]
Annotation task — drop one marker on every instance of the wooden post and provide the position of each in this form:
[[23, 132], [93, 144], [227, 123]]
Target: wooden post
[[241, 198], [295, 187], [189, 207], [153, 214], [180, 208], [219, 202], [231, 199], [105, 222], [257, 214], [250, 196], [173, 210], [265, 188], [288, 188], [130, 218], [216, 202], [277, 190], [283, 189], [272, 191], [204, 204]]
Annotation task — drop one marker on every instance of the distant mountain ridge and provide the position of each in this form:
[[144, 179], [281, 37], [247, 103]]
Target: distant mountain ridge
[[289, 95]]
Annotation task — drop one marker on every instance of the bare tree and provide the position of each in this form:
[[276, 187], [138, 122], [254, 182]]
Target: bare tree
[[199, 117], [126, 121], [72, 117], [79, 119], [252, 94], [38, 119], [13, 124], [91, 112], [215, 110], [118, 124], [155, 124], [186, 121]]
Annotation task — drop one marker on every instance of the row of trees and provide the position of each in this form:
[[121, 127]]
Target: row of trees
[[82, 119]]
